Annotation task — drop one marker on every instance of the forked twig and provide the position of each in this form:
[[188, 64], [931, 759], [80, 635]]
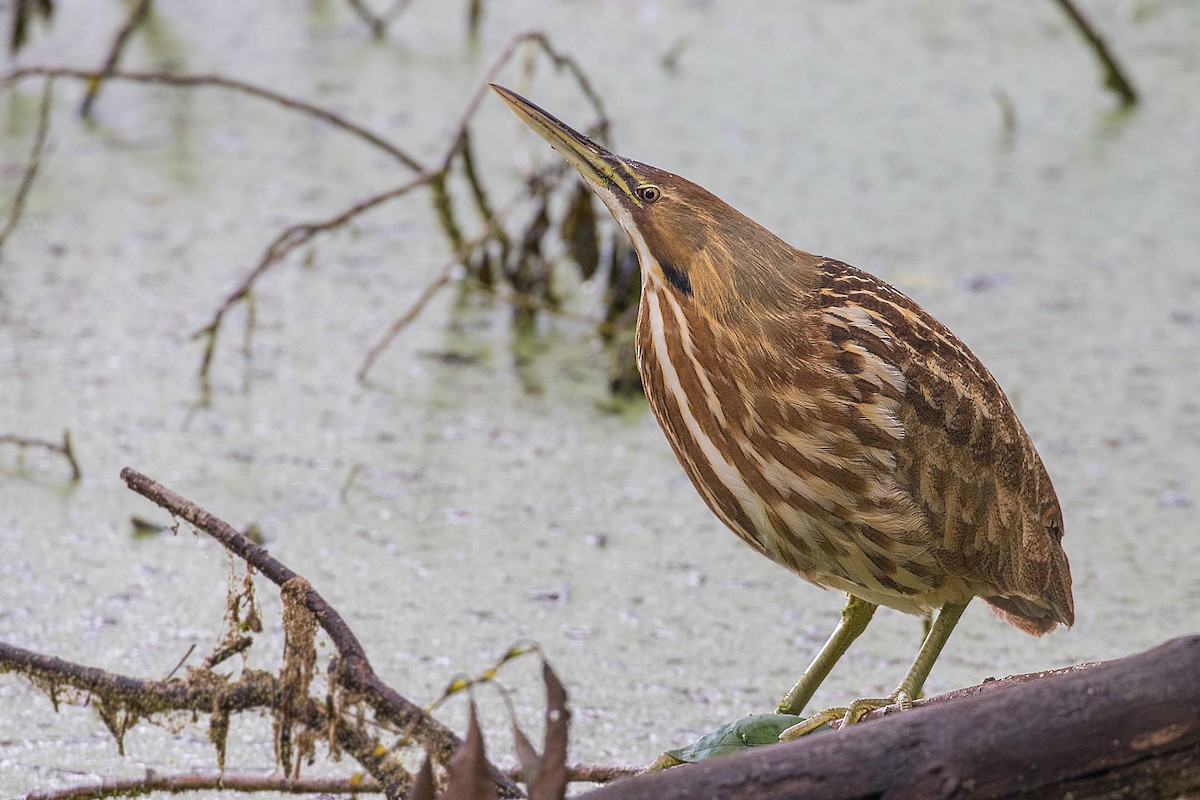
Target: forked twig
[[493, 221], [137, 15], [378, 22], [434, 177], [64, 449], [298, 234], [253, 690]]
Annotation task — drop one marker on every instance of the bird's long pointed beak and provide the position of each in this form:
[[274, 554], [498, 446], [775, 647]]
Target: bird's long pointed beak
[[598, 166]]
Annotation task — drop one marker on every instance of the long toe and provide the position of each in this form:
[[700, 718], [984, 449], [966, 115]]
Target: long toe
[[810, 724]]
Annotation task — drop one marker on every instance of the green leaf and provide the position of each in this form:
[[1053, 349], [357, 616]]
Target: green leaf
[[737, 737]]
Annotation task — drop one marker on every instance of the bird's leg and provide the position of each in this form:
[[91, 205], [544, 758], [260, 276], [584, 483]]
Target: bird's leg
[[935, 640], [855, 617], [910, 687]]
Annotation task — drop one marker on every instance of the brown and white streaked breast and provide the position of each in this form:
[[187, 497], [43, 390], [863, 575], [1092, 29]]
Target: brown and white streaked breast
[[829, 466]]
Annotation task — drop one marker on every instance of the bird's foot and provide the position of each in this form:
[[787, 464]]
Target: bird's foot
[[847, 714], [810, 724]]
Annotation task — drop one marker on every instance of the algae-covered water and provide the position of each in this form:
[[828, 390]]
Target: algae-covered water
[[476, 492]]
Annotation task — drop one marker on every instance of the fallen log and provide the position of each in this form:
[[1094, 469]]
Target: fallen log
[[1128, 728]]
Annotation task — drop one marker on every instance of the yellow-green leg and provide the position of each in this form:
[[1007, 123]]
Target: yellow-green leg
[[910, 687], [855, 617]]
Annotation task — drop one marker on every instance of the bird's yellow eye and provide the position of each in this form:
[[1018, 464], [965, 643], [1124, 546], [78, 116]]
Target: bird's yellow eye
[[649, 192]]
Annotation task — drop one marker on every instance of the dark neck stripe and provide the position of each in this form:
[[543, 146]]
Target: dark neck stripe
[[677, 278]]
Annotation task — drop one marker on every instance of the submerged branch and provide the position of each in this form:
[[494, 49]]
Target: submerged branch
[[23, 12], [1114, 76], [64, 449], [32, 164]]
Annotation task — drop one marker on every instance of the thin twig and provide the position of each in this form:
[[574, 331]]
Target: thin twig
[[181, 662], [435, 176], [218, 81], [33, 163], [296, 235], [440, 279], [137, 15], [562, 60], [353, 670], [493, 222], [64, 449], [233, 781], [284, 243], [208, 781], [1114, 76], [590, 773]]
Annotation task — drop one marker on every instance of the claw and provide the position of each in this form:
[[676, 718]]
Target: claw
[[860, 708]]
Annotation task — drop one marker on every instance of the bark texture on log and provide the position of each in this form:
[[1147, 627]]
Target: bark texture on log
[[1128, 728]]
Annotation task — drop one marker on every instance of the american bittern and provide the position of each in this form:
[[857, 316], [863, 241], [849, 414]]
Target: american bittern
[[826, 418]]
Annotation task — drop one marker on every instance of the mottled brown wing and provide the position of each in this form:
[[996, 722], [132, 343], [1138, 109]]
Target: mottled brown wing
[[994, 519]]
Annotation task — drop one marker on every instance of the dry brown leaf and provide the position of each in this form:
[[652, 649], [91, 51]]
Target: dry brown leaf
[[467, 772], [551, 780], [423, 786]]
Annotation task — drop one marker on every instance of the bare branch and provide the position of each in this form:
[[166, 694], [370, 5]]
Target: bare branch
[[352, 670], [443, 277], [32, 164], [216, 781], [434, 176], [137, 15], [65, 449], [208, 780], [283, 244], [221, 82]]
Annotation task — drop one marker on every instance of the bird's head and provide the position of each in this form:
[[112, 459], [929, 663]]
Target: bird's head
[[687, 239]]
